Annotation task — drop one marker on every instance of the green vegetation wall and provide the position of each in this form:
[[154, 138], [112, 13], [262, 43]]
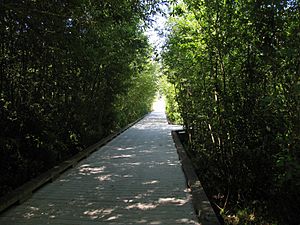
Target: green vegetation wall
[[235, 66], [69, 72], [169, 92]]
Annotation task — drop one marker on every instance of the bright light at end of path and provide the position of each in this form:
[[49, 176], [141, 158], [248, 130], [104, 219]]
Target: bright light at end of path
[[159, 105]]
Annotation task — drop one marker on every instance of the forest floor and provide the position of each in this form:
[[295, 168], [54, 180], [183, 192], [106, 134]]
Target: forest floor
[[134, 179]]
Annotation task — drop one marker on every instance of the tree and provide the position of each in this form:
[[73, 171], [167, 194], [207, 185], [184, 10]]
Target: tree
[[64, 67], [236, 89]]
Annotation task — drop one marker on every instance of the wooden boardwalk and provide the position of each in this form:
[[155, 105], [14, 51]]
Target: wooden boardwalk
[[134, 179]]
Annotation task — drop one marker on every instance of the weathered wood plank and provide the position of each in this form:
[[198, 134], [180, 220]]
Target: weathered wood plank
[[24, 192]]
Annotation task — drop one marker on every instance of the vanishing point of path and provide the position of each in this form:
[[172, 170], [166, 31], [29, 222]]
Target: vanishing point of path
[[134, 179]]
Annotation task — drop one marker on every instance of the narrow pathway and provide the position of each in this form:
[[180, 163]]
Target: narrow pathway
[[134, 179]]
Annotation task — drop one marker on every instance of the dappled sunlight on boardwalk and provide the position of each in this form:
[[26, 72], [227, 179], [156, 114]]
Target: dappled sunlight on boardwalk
[[134, 179]]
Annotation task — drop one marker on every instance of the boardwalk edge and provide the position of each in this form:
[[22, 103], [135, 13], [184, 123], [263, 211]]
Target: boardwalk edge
[[202, 206], [24, 192]]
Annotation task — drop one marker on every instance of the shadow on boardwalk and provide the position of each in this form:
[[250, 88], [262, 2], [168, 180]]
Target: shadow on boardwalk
[[134, 179]]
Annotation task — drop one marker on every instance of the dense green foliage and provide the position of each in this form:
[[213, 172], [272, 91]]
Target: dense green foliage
[[172, 109], [235, 66], [71, 73]]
